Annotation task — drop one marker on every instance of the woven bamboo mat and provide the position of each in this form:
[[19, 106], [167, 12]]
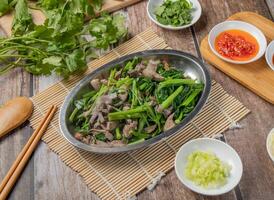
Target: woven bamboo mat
[[122, 176]]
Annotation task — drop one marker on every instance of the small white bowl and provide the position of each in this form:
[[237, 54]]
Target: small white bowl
[[268, 145], [239, 25], [269, 54], [196, 14], [223, 151]]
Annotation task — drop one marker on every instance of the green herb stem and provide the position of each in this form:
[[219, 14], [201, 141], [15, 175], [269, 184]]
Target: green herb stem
[[176, 82], [170, 99], [73, 114], [118, 134], [126, 114]]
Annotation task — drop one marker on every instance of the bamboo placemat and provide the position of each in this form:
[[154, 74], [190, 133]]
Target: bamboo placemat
[[122, 176]]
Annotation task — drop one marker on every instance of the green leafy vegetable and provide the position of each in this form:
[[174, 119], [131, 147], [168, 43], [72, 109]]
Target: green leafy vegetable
[[107, 30], [6, 6], [22, 21], [174, 12], [100, 136], [60, 45], [206, 169], [50, 4]]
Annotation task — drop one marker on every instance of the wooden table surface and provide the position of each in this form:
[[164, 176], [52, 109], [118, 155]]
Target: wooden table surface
[[46, 177]]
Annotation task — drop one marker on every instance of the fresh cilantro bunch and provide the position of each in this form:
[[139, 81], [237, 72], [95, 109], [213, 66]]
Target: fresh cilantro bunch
[[174, 12], [6, 5], [60, 45]]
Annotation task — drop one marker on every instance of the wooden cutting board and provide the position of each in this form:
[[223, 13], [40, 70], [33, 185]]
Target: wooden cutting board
[[38, 16], [256, 76]]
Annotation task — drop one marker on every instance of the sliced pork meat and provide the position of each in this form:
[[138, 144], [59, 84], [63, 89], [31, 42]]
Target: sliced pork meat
[[87, 139], [129, 128], [101, 118], [123, 96], [109, 136], [150, 129], [107, 99], [166, 65], [102, 102], [78, 136], [169, 122], [140, 67], [111, 125], [104, 81], [150, 71], [167, 111], [95, 83]]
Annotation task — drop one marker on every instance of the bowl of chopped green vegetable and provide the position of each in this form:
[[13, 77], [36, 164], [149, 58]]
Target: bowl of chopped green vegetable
[[174, 14], [134, 101], [208, 166]]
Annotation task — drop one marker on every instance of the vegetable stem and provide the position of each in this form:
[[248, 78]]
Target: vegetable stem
[[172, 82], [170, 99], [137, 141], [191, 97], [118, 134], [132, 113], [73, 114]]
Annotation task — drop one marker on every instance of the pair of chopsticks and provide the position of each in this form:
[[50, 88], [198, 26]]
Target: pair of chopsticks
[[20, 162]]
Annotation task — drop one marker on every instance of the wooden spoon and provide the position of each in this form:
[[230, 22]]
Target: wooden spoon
[[14, 113]]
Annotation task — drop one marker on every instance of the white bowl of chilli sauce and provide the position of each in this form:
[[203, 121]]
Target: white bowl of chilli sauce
[[237, 42]]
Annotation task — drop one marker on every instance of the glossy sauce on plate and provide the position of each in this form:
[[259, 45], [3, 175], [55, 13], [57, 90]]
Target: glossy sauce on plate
[[236, 45]]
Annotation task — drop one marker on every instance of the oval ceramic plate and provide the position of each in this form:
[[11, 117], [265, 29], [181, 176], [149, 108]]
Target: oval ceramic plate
[[223, 151], [196, 14], [239, 25]]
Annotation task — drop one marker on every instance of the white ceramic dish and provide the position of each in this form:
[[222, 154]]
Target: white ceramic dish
[[228, 25], [222, 150], [196, 14], [268, 145], [269, 54]]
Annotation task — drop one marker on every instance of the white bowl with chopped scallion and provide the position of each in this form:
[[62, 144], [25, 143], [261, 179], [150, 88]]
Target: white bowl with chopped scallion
[[174, 14], [208, 166]]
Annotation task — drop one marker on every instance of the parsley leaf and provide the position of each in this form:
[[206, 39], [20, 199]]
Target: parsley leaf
[[174, 12], [22, 20], [6, 5], [60, 45], [107, 30]]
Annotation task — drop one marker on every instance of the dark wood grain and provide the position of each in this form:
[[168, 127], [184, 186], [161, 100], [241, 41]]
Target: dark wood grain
[[14, 84], [46, 177]]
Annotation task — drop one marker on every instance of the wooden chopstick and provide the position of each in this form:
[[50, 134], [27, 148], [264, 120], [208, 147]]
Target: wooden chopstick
[[24, 155]]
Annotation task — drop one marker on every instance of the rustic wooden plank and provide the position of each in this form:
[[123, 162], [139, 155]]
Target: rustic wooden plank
[[14, 84], [51, 174], [270, 4], [170, 188], [53, 180], [249, 142]]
